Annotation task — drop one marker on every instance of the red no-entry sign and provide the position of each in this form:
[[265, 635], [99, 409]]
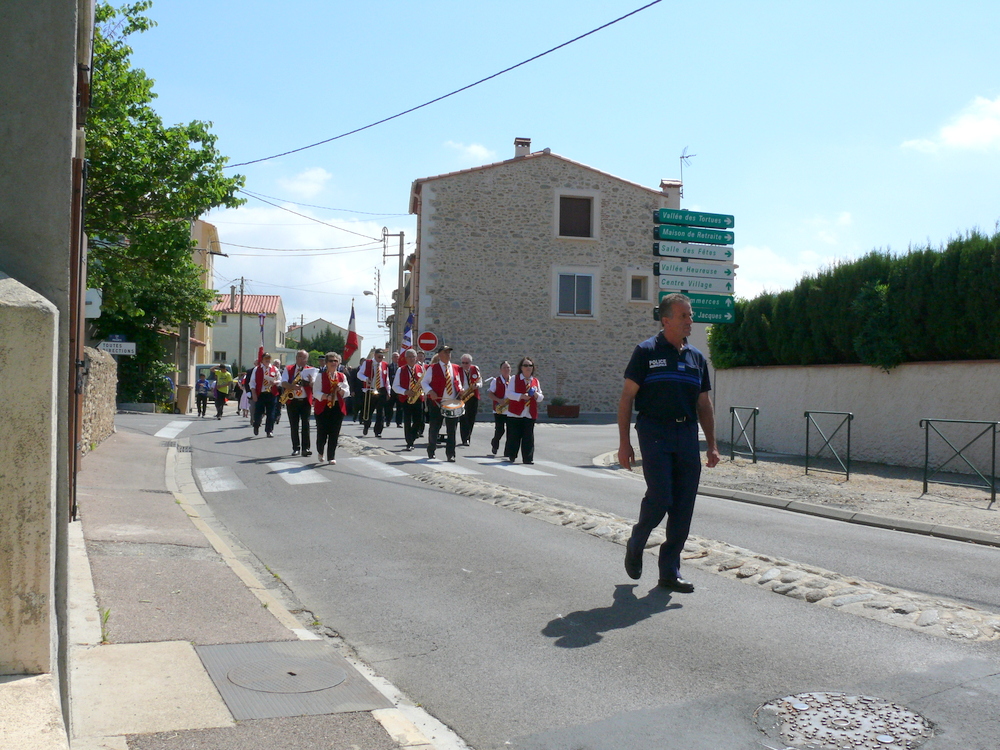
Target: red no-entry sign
[[427, 341]]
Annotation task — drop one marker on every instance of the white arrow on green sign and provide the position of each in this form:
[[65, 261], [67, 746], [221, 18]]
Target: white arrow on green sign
[[690, 250], [706, 316], [693, 234], [708, 302], [693, 218], [703, 270], [694, 284]]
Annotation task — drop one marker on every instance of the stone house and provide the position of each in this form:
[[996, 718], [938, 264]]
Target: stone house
[[542, 256]]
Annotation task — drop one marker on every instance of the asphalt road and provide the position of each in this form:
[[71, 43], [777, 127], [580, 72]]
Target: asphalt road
[[522, 634]]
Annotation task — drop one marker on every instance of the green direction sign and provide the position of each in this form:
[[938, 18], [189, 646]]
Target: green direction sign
[[689, 268], [692, 234], [703, 316], [690, 250], [692, 283], [708, 302], [693, 218]]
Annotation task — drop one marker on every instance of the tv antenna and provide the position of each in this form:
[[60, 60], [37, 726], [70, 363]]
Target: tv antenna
[[685, 156]]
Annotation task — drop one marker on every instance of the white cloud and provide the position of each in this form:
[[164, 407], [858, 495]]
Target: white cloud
[[474, 153], [829, 231], [307, 184], [977, 127], [761, 269], [315, 285]]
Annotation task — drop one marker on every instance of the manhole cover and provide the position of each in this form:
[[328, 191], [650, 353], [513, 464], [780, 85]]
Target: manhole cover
[[286, 675], [836, 721]]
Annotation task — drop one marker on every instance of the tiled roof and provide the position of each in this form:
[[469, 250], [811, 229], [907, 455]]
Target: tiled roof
[[537, 154], [253, 304]]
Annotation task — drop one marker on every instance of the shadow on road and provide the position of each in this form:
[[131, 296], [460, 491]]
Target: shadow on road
[[584, 627]]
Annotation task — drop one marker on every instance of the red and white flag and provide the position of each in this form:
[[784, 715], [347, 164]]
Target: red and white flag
[[352, 338]]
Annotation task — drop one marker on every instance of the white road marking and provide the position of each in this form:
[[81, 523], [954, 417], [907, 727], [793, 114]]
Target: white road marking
[[594, 473], [502, 463], [173, 429], [294, 473], [371, 468], [219, 479], [438, 465]]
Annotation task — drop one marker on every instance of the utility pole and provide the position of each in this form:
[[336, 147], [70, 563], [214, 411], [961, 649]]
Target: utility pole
[[239, 357], [396, 334]]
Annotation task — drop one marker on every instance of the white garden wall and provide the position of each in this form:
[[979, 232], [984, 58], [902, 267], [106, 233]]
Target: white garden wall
[[887, 407]]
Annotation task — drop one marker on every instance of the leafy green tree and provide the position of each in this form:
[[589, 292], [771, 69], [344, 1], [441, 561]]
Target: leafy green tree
[[326, 341], [146, 183]]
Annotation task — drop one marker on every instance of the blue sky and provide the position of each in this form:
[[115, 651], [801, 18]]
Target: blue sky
[[827, 130]]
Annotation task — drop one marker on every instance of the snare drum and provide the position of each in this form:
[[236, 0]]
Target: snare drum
[[453, 410]]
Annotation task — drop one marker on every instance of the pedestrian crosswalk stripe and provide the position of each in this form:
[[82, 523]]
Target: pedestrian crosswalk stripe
[[371, 467], [436, 464], [294, 473], [595, 473], [219, 479], [513, 468], [173, 429]]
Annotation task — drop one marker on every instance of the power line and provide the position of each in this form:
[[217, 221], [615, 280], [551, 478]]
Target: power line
[[302, 249], [325, 208], [445, 96], [318, 221]]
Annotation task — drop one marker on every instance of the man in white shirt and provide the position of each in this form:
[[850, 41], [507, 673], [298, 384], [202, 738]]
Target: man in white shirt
[[296, 385]]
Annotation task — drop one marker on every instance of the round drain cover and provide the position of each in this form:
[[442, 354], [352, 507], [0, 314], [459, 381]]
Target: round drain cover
[[286, 675], [836, 721]]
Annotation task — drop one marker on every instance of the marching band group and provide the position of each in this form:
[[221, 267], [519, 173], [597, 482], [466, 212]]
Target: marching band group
[[438, 395]]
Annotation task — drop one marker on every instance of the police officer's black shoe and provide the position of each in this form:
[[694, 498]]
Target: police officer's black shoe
[[676, 584], [633, 563]]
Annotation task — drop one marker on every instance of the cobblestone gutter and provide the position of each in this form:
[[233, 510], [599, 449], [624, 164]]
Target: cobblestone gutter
[[905, 609]]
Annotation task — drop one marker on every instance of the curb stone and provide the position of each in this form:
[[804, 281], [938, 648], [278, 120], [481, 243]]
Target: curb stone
[[399, 722], [609, 460]]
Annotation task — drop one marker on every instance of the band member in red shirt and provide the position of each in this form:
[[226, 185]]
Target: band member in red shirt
[[409, 395], [498, 395], [525, 394], [442, 384]]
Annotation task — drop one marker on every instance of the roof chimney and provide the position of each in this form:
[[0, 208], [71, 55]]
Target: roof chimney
[[522, 147], [671, 190]]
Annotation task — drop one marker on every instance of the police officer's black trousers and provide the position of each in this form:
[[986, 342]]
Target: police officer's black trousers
[[671, 463]]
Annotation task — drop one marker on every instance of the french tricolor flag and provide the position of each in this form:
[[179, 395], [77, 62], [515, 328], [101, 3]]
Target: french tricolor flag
[[352, 337]]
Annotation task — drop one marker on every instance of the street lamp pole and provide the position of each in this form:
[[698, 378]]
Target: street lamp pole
[[396, 335]]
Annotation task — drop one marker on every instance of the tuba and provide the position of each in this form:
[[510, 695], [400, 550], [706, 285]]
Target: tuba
[[415, 392], [465, 395]]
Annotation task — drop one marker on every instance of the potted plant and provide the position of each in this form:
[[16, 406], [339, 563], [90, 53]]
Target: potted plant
[[558, 408]]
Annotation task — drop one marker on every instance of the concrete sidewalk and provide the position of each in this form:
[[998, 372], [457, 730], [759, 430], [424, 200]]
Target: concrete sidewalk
[[156, 585]]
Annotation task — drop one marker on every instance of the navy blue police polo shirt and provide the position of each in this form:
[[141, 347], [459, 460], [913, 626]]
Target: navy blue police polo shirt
[[670, 381]]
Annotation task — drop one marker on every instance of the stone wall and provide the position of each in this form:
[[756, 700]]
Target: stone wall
[[99, 391], [887, 407], [488, 258]]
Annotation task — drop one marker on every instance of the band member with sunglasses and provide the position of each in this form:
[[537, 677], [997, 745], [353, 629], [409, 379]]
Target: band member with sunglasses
[[525, 394], [331, 390]]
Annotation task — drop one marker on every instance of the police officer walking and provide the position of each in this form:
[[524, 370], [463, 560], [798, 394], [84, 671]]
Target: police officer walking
[[667, 381]]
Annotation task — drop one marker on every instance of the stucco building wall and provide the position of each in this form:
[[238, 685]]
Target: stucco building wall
[[887, 407], [487, 263]]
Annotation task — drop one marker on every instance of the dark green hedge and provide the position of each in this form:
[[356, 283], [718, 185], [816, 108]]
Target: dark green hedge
[[879, 310]]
